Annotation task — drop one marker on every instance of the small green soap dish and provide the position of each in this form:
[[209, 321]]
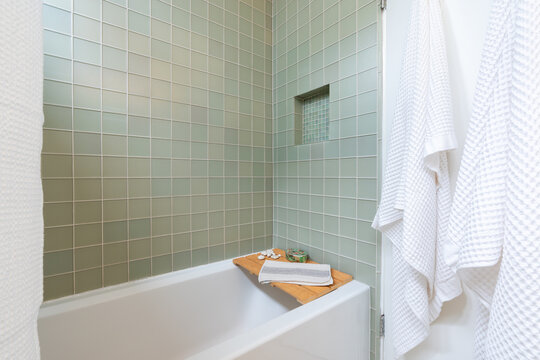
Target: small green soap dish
[[296, 255]]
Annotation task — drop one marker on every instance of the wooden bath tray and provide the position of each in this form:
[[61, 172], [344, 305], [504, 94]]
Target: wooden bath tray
[[302, 293]]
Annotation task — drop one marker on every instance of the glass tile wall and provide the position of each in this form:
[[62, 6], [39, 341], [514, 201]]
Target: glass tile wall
[[325, 193], [157, 150]]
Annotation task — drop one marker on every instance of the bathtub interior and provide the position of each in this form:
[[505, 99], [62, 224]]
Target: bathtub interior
[[161, 318]]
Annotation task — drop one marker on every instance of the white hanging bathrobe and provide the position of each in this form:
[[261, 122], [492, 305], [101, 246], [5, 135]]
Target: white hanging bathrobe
[[21, 199], [415, 200], [494, 228]]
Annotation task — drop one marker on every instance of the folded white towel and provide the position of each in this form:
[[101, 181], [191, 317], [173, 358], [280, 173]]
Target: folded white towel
[[295, 273]]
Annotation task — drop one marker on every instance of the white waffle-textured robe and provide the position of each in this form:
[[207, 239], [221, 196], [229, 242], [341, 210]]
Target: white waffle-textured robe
[[415, 200], [21, 199], [494, 228]]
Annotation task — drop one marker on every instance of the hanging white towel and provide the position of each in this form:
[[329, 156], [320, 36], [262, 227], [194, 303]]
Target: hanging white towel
[[415, 200], [494, 228], [21, 220]]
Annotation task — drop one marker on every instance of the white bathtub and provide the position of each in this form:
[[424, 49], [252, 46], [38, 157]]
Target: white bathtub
[[210, 312]]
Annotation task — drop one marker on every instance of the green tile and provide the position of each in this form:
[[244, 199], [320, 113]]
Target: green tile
[[367, 188], [57, 190], [114, 14], [139, 188], [161, 226], [114, 145], [85, 143], [139, 44], [55, 68], [139, 228], [56, 141], [58, 238], [160, 10], [114, 123], [56, 19], [57, 262], [86, 51], [181, 223], [199, 257], [139, 23], [160, 50], [138, 146], [161, 206], [161, 128], [89, 8], [114, 102], [114, 210], [114, 166], [57, 93], [57, 286], [139, 269], [142, 6], [88, 234], [114, 58], [114, 188], [114, 231], [57, 214], [86, 28], [57, 117], [114, 253], [161, 264], [181, 260], [87, 211], [87, 189], [139, 126], [367, 145], [139, 208], [161, 245], [138, 167], [139, 249], [115, 274], [87, 280], [56, 44], [56, 166], [86, 120], [88, 257], [161, 187], [114, 36]]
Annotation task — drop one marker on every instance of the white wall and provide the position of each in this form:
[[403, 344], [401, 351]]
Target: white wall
[[465, 21]]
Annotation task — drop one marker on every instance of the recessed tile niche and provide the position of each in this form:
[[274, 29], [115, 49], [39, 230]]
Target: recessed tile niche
[[312, 116]]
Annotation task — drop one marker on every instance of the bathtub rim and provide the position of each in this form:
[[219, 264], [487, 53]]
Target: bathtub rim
[[273, 328], [118, 291]]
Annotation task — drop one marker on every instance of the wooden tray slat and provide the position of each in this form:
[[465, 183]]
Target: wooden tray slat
[[302, 293]]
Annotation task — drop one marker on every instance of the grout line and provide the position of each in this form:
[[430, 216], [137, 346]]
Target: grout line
[[72, 144], [101, 146]]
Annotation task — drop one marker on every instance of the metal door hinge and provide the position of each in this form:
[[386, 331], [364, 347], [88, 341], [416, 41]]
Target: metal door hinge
[[381, 325], [383, 4]]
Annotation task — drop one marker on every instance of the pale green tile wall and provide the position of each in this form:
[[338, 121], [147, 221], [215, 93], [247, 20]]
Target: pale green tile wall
[[158, 138], [325, 194]]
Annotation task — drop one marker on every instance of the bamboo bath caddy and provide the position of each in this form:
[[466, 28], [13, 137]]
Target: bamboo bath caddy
[[302, 293]]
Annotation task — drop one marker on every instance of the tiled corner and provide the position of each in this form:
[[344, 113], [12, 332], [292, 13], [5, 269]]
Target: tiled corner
[[326, 184]]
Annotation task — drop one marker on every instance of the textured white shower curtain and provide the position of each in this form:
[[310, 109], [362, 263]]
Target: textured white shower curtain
[[415, 199], [494, 228], [21, 199]]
